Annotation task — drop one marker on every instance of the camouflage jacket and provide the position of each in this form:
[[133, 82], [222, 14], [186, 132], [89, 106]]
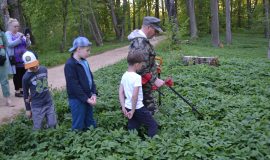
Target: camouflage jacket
[[139, 41]]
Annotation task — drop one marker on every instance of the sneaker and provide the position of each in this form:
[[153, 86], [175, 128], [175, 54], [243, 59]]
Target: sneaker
[[18, 95], [9, 104]]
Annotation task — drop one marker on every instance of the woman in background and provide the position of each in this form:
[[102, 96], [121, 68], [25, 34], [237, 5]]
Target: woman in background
[[17, 45]]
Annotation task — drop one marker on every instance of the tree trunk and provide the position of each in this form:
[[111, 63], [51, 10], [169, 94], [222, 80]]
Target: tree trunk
[[129, 17], [5, 13], [114, 19], [157, 8], [15, 11], [239, 8], [64, 14], [266, 9], [269, 50], [214, 23], [134, 14], [163, 12], [172, 13], [139, 14], [228, 23], [81, 26], [124, 20], [192, 19], [249, 13]]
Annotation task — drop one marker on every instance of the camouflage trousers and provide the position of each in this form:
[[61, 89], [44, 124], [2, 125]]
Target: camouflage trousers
[[148, 98]]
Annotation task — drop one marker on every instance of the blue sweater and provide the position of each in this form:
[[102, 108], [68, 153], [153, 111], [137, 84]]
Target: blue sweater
[[77, 82]]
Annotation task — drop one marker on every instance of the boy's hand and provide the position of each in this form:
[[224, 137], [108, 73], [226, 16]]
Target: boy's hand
[[29, 114], [130, 114], [93, 100], [124, 111]]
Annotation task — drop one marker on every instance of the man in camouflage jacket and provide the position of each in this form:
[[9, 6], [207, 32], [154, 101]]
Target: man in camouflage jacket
[[140, 41]]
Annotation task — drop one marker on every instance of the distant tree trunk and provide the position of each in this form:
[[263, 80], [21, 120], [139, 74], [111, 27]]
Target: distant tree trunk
[[134, 14], [192, 19], [139, 14], [214, 23], [249, 13], [148, 8], [65, 20], [5, 13], [124, 20], [163, 12], [129, 17], [172, 13], [239, 8], [114, 19], [15, 11], [228, 23], [81, 26], [223, 6], [266, 9], [94, 28], [157, 8]]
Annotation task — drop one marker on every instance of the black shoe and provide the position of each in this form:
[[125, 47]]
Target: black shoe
[[18, 95]]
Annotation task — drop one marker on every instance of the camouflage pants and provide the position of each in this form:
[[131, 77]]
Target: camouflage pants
[[148, 98]]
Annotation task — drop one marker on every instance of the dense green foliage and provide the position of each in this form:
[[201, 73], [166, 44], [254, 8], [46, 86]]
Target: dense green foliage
[[233, 97]]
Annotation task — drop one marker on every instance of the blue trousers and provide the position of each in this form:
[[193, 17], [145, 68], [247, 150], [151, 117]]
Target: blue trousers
[[143, 116], [82, 115]]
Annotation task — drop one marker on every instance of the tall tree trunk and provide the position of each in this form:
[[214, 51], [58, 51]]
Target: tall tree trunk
[[269, 50], [214, 23], [239, 9], [163, 12], [192, 19], [139, 4], [65, 20], [93, 26], [157, 8], [249, 12], [129, 17], [114, 19], [124, 20], [134, 14], [172, 13], [228, 23], [266, 9], [15, 11], [5, 13], [81, 25]]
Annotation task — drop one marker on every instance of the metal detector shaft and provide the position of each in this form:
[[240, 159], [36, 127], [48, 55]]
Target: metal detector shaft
[[191, 105]]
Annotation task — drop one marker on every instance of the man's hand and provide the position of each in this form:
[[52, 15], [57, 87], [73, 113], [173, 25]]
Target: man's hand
[[130, 114], [29, 114], [159, 82]]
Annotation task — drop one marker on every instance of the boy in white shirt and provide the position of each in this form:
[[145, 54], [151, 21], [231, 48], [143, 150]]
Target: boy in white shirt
[[131, 96]]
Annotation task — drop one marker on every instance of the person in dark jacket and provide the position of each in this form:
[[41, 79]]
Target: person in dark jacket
[[81, 88]]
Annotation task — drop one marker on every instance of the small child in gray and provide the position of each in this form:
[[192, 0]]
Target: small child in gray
[[39, 103]]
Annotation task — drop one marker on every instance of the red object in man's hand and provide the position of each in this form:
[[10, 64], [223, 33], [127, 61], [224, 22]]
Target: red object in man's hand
[[169, 82], [146, 78], [154, 87]]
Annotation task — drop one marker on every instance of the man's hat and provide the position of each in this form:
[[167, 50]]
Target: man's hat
[[30, 60], [152, 21], [80, 42]]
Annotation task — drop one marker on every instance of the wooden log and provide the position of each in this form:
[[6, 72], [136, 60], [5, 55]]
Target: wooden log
[[192, 60]]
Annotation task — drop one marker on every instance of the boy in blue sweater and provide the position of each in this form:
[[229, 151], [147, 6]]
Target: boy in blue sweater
[[39, 103], [80, 85]]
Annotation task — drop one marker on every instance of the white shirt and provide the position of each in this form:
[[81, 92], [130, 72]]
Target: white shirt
[[130, 80], [142, 33]]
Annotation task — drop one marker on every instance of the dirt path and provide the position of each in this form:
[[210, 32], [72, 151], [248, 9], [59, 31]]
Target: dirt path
[[57, 79]]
